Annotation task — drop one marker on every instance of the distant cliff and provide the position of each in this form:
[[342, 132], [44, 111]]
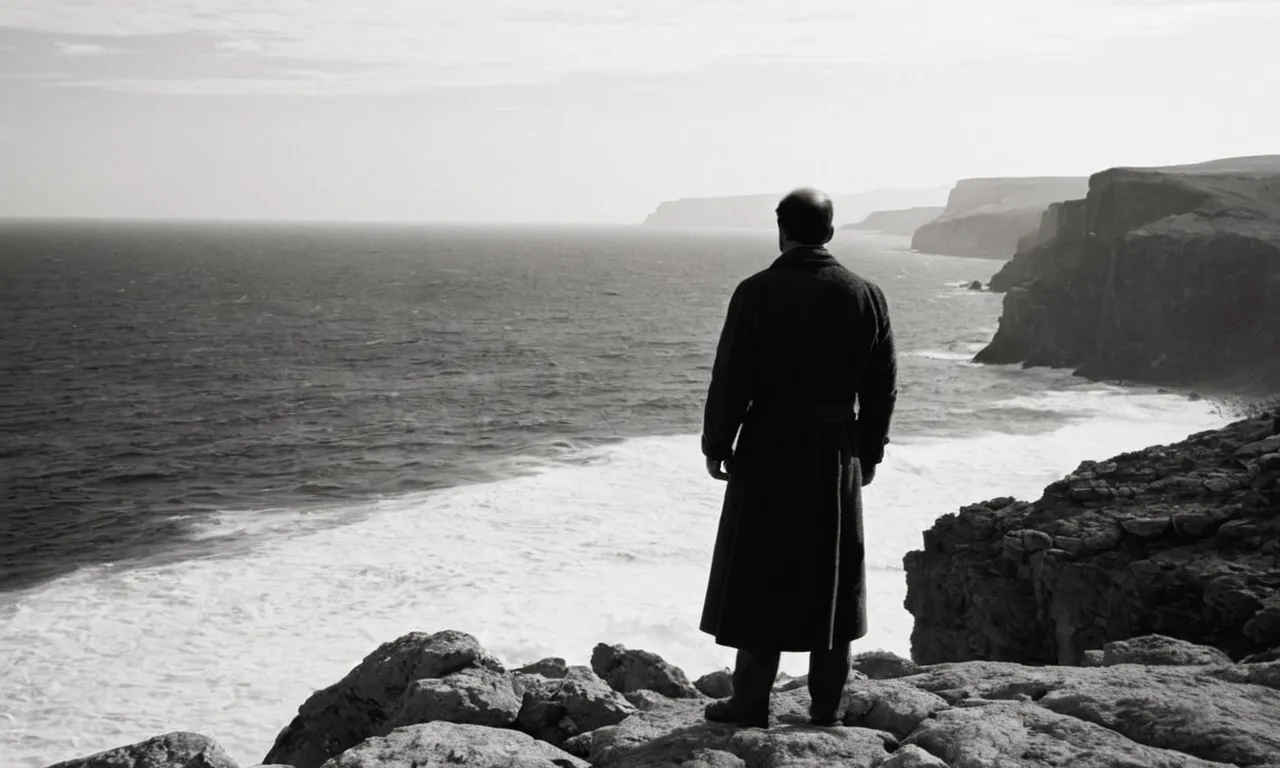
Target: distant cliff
[[757, 211], [903, 221], [1161, 275], [986, 218]]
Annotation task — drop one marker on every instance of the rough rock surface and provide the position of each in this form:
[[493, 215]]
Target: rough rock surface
[[1178, 712], [441, 744], [1156, 650], [986, 218], [630, 670], [1164, 276], [1022, 734], [717, 685], [557, 709], [478, 696], [363, 703], [904, 221], [1180, 540], [179, 749], [883, 665]]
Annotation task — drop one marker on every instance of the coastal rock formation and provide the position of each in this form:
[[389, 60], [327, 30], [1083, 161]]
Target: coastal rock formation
[[904, 221], [179, 749], [371, 699], [441, 743], [1180, 540], [986, 218], [757, 211], [1164, 275], [628, 671], [1183, 706]]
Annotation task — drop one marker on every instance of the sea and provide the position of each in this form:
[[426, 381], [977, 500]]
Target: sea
[[239, 457]]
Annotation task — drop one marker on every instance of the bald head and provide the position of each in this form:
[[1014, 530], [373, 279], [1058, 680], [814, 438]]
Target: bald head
[[805, 217]]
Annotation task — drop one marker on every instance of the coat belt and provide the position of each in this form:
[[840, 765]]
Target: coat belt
[[803, 413]]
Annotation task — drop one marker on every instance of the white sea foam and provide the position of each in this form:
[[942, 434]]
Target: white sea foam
[[948, 355], [610, 550]]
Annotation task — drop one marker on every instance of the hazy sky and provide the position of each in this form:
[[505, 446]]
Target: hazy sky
[[596, 110]]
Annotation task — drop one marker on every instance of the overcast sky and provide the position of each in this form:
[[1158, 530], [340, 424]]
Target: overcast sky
[[596, 110]]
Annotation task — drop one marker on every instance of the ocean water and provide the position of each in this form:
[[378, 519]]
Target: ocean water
[[238, 458]]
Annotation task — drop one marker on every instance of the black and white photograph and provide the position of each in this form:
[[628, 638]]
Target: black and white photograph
[[640, 384]]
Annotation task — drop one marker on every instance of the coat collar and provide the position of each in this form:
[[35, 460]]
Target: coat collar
[[805, 254]]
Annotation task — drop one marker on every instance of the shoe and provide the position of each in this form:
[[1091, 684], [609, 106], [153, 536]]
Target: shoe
[[728, 711], [825, 721]]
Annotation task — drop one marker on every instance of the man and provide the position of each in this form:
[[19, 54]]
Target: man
[[803, 340]]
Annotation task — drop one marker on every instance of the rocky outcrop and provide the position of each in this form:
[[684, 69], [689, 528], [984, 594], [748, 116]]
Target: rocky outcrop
[[1160, 702], [632, 670], [898, 222], [1180, 540], [441, 743], [179, 749], [757, 211], [402, 682], [1165, 276], [988, 218]]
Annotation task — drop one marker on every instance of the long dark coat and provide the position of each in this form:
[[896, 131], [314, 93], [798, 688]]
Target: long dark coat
[[803, 341]]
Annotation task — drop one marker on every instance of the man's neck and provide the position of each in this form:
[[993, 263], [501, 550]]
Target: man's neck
[[791, 245]]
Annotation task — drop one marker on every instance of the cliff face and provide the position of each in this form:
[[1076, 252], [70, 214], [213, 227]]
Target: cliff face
[[1183, 540], [1166, 276], [757, 211], [900, 222], [987, 218]]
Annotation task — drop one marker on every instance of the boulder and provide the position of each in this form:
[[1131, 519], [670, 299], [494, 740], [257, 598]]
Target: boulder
[[717, 685], [632, 670], [1160, 649], [890, 706], [180, 749], [441, 744], [883, 665], [477, 695], [911, 756], [554, 667], [364, 702], [557, 709]]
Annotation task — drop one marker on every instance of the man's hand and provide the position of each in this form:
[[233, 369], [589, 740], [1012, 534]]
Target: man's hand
[[868, 474], [713, 469]]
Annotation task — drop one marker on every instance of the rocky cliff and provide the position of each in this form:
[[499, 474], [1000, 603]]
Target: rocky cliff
[[1183, 540], [439, 699], [1167, 276], [757, 211], [987, 218], [899, 222]]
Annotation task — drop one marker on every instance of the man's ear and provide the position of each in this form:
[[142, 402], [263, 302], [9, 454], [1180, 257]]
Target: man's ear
[[831, 232]]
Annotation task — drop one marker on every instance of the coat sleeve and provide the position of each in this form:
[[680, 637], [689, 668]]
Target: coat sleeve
[[731, 376], [878, 393]]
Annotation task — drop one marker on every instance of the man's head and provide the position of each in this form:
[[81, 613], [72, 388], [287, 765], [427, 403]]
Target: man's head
[[805, 218]]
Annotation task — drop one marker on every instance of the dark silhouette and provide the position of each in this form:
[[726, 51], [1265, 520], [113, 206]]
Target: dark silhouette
[[803, 341]]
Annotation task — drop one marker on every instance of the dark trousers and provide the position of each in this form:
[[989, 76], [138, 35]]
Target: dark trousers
[[755, 671]]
